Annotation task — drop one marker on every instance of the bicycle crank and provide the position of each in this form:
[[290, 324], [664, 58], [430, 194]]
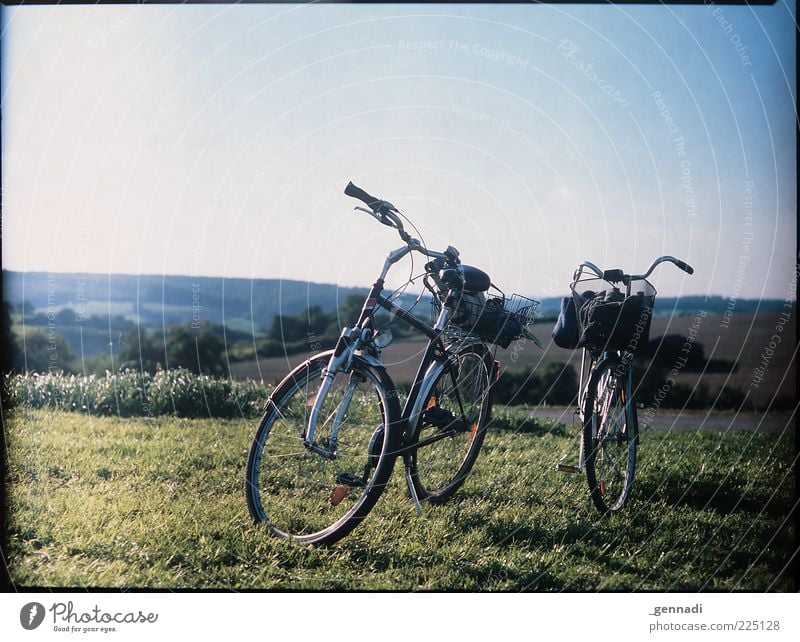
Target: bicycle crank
[[444, 420]]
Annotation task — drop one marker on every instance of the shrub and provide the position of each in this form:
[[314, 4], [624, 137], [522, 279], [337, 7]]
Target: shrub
[[130, 393]]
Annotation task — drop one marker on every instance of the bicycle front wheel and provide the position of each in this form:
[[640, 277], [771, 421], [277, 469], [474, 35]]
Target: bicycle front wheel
[[609, 436], [456, 410], [317, 494]]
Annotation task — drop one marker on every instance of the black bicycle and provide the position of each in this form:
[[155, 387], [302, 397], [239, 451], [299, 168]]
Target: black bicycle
[[611, 326], [333, 428]]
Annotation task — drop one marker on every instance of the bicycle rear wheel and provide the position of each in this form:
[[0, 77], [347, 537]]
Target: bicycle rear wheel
[[319, 494], [458, 404], [609, 436]]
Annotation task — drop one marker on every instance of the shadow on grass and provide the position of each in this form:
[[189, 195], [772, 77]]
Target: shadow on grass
[[723, 498], [510, 533], [522, 423]]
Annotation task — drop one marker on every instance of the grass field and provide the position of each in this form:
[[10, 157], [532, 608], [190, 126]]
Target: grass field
[[158, 503]]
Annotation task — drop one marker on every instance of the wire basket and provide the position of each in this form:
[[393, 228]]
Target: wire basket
[[493, 319], [524, 309], [607, 319]]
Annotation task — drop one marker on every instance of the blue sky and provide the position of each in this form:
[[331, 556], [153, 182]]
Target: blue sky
[[216, 140]]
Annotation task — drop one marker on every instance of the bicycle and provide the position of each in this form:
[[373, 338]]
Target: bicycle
[[610, 327], [333, 428]]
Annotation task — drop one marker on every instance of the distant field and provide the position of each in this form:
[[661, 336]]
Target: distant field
[[741, 343], [158, 503]]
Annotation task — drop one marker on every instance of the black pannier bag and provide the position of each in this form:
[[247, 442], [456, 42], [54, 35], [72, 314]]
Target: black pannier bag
[[610, 321], [566, 332]]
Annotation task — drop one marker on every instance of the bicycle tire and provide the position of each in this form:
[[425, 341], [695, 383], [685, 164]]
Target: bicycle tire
[[609, 436], [319, 498], [440, 469]]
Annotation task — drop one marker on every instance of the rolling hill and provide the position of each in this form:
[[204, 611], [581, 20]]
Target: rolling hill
[[92, 309]]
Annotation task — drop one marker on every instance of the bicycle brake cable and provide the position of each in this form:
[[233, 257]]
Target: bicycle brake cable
[[416, 230]]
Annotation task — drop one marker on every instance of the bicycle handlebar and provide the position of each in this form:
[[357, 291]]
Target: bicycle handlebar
[[683, 265], [387, 214], [361, 195], [618, 276], [591, 266], [378, 206], [382, 210]]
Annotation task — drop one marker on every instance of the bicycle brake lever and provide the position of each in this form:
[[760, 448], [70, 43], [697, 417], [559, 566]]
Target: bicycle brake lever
[[381, 218]]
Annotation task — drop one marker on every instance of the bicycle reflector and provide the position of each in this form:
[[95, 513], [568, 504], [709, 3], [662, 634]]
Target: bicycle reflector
[[338, 494]]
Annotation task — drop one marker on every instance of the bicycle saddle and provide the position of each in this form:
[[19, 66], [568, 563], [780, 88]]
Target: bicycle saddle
[[475, 280]]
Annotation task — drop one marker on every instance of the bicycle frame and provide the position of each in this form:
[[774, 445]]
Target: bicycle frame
[[354, 343], [352, 339]]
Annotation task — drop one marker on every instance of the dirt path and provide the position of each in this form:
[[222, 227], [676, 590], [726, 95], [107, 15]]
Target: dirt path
[[691, 420]]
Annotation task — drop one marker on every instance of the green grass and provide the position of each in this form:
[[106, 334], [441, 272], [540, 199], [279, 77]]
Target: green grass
[[158, 503]]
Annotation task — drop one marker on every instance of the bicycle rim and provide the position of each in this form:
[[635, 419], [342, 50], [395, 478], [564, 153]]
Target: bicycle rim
[[319, 494], [609, 440], [458, 402]]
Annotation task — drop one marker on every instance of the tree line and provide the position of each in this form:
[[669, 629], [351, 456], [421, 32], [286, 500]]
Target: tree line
[[202, 348]]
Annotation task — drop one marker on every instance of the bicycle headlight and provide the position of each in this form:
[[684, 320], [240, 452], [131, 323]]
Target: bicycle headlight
[[383, 338]]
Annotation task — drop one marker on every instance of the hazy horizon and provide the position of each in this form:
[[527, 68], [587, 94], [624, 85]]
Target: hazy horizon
[[364, 286]]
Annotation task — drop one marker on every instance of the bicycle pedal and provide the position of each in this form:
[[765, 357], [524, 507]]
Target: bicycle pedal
[[351, 480], [345, 481], [565, 468]]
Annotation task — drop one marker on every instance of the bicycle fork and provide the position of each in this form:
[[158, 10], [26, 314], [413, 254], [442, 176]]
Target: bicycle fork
[[329, 449]]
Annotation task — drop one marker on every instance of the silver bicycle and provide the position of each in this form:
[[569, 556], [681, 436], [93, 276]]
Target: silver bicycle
[[612, 325], [333, 428]]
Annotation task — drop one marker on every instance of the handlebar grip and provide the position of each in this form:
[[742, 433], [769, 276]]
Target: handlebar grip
[[613, 276], [361, 195], [684, 266]]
